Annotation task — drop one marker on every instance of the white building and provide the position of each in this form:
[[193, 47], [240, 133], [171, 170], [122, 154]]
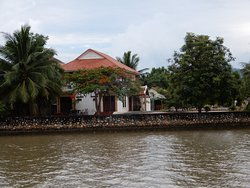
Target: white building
[[85, 104]]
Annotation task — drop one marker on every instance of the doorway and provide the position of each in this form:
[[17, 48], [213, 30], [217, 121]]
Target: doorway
[[66, 105], [134, 103], [109, 104]]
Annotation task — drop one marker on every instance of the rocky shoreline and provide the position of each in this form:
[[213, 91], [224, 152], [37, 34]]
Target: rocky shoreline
[[159, 121]]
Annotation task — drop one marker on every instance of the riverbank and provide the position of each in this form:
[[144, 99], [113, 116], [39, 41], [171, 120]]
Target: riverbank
[[119, 122]]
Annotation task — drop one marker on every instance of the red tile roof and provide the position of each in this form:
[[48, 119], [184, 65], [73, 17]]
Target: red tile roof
[[105, 61]]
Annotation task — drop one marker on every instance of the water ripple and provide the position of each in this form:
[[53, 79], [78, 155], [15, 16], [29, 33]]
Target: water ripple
[[139, 159]]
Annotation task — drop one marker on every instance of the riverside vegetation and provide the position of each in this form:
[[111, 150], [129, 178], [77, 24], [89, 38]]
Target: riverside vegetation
[[198, 76]]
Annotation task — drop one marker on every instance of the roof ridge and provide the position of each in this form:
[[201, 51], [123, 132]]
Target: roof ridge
[[107, 57], [113, 60]]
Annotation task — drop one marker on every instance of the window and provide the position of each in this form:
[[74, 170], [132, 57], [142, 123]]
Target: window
[[124, 102]]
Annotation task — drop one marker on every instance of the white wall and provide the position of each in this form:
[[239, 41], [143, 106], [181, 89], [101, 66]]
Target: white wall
[[86, 105], [148, 104], [120, 107], [90, 55]]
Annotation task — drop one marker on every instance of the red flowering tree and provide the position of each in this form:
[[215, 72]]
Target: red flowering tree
[[103, 81]]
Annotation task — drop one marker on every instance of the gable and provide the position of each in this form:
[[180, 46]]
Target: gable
[[90, 55], [92, 59]]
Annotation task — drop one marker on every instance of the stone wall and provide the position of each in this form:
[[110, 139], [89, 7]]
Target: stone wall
[[168, 121]]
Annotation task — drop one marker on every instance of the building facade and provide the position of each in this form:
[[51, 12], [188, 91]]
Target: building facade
[[85, 104]]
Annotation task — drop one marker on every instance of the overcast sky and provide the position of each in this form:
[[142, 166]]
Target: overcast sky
[[153, 29]]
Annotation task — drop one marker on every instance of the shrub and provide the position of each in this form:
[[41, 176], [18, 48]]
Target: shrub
[[2, 109], [232, 108], [247, 108], [207, 108]]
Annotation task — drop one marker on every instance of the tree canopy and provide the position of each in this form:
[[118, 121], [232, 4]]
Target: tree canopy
[[246, 81], [201, 74], [245, 86], [158, 77], [30, 76], [103, 81]]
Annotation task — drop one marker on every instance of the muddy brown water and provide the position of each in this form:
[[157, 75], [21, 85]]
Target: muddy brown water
[[207, 158]]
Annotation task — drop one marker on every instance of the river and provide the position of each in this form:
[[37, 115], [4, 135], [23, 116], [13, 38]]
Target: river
[[127, 159]]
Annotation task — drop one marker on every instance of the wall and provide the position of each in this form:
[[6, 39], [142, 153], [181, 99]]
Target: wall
[[120, 107], [148, 104], [90, 55], [145, 103], [171, 121], [86, 105]]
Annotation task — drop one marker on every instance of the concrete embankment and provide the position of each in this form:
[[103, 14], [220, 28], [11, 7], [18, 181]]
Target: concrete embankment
[[159, 121]]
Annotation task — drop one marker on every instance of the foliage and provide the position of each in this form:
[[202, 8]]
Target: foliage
[[130, 60], [207, 108], [157, 78], [232, 107], [2, 109], [245, 87], [200, 73], [248, 108], [103, 81], [30, 76]]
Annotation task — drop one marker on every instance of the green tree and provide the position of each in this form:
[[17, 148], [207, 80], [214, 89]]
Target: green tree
[[157, 78], [200, 73], [245, 86], [130, 60], [31, 77], [246, 81], [103, 81]]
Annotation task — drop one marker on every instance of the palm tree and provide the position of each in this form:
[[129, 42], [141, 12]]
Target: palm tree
[[129, 60], [30, 74]]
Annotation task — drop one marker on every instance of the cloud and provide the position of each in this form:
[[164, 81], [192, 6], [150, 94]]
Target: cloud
[[77, 39], [150, 39], [153, 29], [157, 38]]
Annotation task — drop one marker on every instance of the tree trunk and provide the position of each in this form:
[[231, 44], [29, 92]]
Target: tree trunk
[[98, 98], [96, 103], [99, 103], [199, 109]]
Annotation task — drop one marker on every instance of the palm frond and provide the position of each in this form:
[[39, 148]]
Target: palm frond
[[24, 95], [27, 67], [4, 65], [130, 61]]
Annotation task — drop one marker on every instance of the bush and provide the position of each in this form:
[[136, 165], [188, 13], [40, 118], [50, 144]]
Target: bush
[[232, 108], [247, 108], [207, 108], [2, 109]]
